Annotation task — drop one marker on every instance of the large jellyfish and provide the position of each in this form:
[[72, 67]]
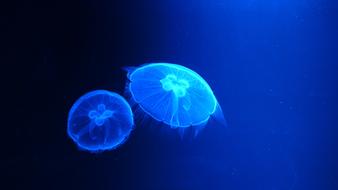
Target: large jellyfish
[[172, 94], [100, 120]]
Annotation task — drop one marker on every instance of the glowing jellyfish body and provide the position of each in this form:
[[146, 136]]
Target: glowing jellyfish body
[[172, 94], [100, 120]]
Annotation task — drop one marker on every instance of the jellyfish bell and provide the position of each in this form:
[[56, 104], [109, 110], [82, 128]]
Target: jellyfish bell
[[172, 94], [100, 120]]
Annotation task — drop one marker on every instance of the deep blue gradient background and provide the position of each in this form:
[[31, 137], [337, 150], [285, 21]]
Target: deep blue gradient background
[[272, 64]]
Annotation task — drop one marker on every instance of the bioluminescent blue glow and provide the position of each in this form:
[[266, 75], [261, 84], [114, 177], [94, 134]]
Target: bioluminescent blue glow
[[100, 120], [172, 94]]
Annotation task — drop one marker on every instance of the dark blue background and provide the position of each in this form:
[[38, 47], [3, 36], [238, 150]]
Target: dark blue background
[[272, 64]]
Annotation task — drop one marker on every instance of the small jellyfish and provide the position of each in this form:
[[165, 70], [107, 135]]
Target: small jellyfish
[[100, 120], [172, 94]]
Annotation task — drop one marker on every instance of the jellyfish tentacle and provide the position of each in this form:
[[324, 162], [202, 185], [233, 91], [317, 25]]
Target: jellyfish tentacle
[[168, 108], [186, 103], [106, 135], [174, 117], [91, 130]]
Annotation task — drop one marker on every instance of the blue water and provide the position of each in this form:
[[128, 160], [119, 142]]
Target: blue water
[[272, 65]]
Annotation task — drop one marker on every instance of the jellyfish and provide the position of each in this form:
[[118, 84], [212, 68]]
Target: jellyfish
[[172, 94], [100, 120]]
